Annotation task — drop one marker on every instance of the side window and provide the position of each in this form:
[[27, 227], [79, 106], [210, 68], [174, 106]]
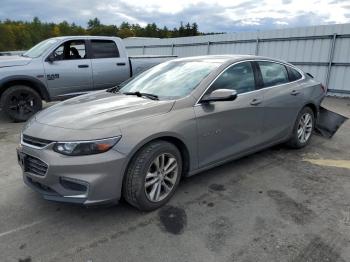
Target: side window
[[70, 50], [273, 73], [239, 77], [104, 49], [293, 74]]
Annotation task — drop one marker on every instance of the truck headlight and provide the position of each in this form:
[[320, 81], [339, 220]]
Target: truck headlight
[[81, 148]]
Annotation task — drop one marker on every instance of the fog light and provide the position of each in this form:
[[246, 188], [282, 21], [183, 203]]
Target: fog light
[[73, 184]]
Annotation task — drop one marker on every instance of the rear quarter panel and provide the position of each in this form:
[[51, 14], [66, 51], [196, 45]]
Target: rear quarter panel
[[312, 91]]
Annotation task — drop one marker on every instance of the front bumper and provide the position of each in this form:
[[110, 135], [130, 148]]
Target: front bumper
[[88, 180]]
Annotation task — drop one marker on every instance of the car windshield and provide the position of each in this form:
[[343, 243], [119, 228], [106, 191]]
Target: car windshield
[[40, 48], [169, 80]]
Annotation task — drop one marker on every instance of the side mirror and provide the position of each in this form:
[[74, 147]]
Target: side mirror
[[220, 95], [50, 58]]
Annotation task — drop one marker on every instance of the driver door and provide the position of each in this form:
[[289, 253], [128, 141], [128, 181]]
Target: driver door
[[69, 71], [228, 128]]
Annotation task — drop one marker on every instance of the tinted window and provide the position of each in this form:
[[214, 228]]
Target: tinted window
[[273, 73], [239, 77], [293, 74], [104, 49]]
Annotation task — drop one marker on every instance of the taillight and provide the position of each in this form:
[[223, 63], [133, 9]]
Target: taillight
[[324, 89]]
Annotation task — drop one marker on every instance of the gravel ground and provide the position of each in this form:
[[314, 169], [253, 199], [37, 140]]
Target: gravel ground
[[276, 205]]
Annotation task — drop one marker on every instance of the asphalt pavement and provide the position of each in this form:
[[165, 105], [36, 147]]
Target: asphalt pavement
[[275, 205]]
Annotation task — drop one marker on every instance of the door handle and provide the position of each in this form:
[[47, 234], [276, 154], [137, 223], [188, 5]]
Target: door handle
[[295, 92], [255, 102], [83, 66], [121, 64]]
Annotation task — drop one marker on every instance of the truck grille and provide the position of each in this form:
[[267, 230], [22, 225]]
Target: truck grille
[[35, 166], [35, 142]]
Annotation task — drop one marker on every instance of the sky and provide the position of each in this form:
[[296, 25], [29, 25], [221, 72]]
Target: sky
[[211, 16]]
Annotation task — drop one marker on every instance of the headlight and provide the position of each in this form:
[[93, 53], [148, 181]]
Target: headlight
[[81, 148]]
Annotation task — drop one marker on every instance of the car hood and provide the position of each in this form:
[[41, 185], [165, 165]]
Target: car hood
[[100, 110], [7, 61]]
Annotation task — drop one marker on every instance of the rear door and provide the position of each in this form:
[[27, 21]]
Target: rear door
[[227, 128], [70, 71], [283, 99], [108, 68]]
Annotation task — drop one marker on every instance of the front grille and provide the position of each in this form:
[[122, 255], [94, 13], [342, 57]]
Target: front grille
[[36, 142], [35, 166]]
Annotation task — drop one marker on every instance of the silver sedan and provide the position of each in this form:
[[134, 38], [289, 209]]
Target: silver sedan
[[177, 119]]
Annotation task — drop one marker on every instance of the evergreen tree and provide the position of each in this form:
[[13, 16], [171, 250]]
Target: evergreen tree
[[93, 23], [181, 29], [20, 35], [194, 29]]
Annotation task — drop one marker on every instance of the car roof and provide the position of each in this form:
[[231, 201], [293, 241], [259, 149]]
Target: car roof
[[228, 59], [213, 58], [84, 37]]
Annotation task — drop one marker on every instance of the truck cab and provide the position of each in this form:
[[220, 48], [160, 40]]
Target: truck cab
[[63, 67]]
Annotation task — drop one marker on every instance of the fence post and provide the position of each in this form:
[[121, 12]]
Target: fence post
[[257, 46], [208, 48], [330, 59], [172, 49]]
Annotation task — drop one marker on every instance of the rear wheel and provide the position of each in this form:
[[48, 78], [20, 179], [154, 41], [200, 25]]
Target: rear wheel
[[153, 176], [303, 128], [20, 102]]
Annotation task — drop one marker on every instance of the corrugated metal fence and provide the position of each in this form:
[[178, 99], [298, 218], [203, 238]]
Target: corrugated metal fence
[[323, 51]]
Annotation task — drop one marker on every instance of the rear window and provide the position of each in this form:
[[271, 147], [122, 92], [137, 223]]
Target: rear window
[[104, 49], [293, 74], [273, 73]]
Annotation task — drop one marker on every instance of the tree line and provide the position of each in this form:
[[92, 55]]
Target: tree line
[[21, 35]]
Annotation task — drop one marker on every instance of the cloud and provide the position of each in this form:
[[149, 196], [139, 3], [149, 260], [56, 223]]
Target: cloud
[[218, 16], [339, 1]]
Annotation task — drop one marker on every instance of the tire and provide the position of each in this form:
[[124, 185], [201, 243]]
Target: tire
[[143, 168], [21, 102], [301, 135]]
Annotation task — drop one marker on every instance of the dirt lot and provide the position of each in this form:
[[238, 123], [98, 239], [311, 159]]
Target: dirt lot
[[276, 205]]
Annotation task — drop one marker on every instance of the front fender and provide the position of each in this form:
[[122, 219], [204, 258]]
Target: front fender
[[156, 136], [29, 80]]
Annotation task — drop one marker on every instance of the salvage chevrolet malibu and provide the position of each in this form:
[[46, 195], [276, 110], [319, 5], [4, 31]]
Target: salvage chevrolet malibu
[[177, 119]]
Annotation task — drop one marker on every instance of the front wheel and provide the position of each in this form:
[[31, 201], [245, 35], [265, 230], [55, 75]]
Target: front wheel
[[303, 128], [153, 175], [20, 102]]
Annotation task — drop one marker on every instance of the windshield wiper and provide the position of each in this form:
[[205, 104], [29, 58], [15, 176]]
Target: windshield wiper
[[139, 94]]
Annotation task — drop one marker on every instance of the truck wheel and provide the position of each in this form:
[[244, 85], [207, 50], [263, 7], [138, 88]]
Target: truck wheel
[[153, 176], [21, 102], [303, 128]]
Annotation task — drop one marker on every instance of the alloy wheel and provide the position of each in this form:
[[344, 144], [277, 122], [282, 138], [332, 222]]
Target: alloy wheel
[[305, 127], [22, 104], [161, 177]]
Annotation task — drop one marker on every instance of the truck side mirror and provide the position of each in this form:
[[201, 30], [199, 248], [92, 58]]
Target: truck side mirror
[[50, 58]]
